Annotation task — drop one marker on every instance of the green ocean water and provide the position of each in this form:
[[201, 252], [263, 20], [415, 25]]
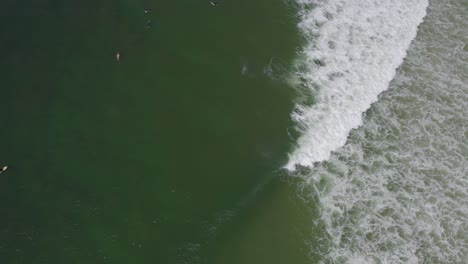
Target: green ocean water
[[171, 155]]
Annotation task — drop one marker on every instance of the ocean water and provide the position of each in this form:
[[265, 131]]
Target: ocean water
[[149, 159], [396, 191], [307, 131]]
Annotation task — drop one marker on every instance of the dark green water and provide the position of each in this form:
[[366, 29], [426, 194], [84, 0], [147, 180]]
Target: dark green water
[[170, 155]]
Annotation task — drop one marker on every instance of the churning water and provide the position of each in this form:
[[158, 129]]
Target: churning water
[[394, 189]]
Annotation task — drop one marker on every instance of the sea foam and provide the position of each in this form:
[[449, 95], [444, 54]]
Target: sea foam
[[396, 192], [353, 50]]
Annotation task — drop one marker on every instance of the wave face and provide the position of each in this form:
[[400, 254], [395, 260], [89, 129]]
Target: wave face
[[354, 49], [397, 191]]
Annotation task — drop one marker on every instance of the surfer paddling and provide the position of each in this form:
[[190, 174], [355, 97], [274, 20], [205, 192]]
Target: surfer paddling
[[3, 169], [117, 56]]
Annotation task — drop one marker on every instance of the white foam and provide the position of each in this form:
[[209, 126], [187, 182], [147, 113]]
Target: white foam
[[354, 49], [397, 191]]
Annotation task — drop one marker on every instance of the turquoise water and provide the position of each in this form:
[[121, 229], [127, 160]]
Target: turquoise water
[[251, 132]]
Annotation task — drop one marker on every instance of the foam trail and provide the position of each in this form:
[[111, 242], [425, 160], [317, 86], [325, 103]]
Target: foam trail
[[354, 49]]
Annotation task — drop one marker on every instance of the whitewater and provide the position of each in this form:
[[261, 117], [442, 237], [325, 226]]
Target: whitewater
[[384, 138]]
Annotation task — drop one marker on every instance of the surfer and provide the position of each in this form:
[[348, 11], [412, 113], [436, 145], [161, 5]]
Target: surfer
[[213, 3], [117, 56], [3, 169]]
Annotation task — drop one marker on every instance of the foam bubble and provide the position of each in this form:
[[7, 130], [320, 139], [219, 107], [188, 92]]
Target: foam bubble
[[353, 51]]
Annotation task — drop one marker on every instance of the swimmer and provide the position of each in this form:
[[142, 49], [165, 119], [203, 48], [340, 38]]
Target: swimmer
[[213, 3], [117, 56], [148, 23], [147, 11], [4, 168]]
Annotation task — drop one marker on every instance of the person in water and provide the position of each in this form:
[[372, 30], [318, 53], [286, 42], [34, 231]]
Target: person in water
[[4, 168]]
